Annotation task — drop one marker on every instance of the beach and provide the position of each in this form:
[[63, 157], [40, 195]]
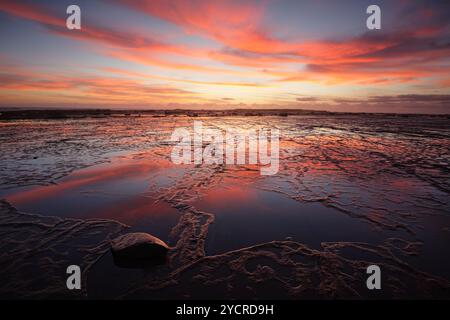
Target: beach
[[352, 190]]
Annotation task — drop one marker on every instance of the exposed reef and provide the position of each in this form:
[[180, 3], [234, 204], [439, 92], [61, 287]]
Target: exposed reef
[[384, 176]]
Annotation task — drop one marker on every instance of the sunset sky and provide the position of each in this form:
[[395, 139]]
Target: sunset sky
[[226, 54]]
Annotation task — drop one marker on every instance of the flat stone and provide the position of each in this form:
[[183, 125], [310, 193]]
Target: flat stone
[[138, 246]]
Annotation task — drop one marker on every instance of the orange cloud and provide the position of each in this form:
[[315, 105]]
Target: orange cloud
[[89, 32], [249, 50], [231, 22], [25, 87], [238, 26]]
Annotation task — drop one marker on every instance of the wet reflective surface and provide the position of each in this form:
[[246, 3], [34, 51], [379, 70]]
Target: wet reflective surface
[[352, 190]]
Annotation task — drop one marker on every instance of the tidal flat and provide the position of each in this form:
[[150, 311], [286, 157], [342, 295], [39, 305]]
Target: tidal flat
[[352, 190]]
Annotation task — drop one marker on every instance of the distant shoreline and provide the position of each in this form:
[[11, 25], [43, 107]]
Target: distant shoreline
[[22, 114]]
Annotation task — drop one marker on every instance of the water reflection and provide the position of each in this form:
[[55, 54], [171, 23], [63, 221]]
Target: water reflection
[[246, 216], [120, 190]]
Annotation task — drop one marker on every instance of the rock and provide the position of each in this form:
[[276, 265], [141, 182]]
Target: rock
[[138, 246]]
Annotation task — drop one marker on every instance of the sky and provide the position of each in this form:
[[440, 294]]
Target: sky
[[226, 54]]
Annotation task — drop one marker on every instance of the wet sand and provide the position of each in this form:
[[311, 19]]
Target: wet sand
[[352, 190]]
